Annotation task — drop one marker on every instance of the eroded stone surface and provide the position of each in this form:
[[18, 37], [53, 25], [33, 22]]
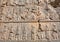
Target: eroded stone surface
[[28, 10], [50, 26], [18, 31], [30, 31]]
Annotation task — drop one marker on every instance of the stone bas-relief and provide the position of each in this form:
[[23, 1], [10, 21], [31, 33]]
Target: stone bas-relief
[[30, 31], [23, 10], [18, 31], [48, 31], [28, 10]]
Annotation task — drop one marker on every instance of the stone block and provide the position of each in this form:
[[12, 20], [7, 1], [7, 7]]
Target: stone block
[[49, 26]]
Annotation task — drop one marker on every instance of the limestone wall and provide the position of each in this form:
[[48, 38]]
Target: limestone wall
[[29, 19]]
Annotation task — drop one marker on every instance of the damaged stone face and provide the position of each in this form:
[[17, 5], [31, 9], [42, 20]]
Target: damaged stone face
[[44, 13], [29, 10], [30, 31], [18, 31]]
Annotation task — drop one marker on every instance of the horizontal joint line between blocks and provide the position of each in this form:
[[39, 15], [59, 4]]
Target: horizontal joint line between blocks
[[27, 21]]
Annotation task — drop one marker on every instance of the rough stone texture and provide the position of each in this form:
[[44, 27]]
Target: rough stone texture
[[30, 31], [17, 10], [12, 12], [18, 31]]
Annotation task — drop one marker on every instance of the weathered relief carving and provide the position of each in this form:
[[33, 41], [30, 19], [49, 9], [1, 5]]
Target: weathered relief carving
[[44, 13]]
